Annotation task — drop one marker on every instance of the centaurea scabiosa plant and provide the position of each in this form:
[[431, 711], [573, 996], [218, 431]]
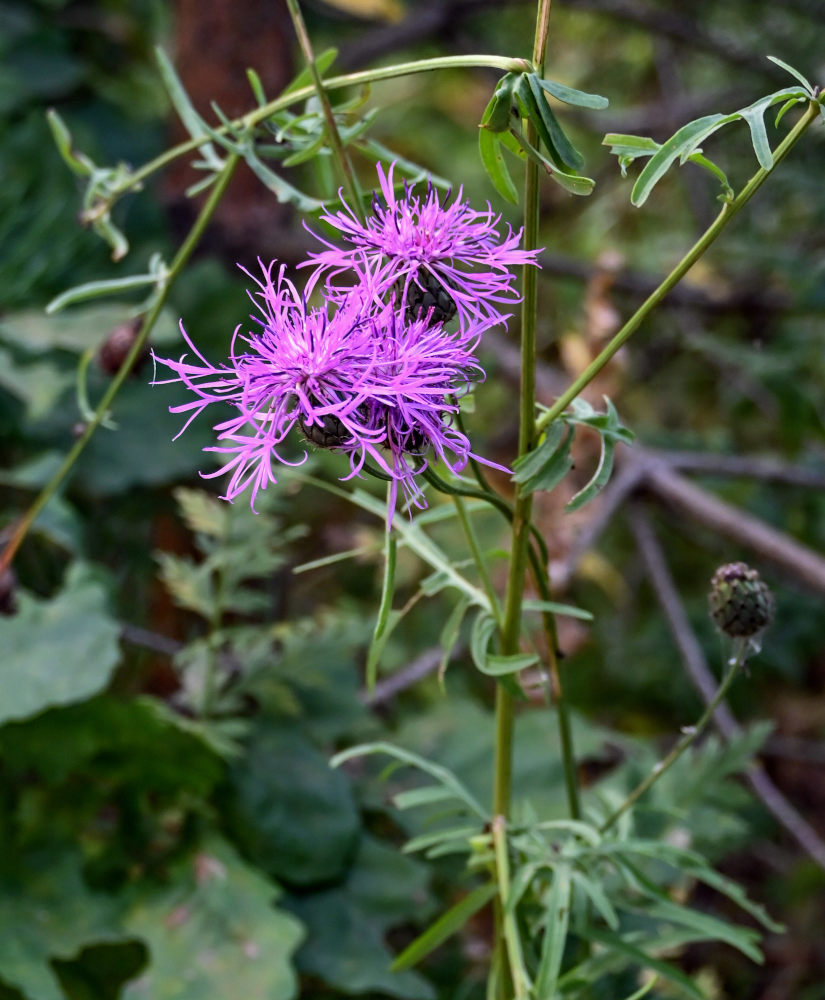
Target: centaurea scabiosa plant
[[436, 253], [352, 376]]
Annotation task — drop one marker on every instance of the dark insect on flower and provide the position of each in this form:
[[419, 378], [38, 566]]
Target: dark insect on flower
[[741, 604]]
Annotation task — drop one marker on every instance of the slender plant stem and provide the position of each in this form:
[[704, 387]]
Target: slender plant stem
[[22, 527], [728, 213], [478, 557], [333, 135], [511, 628], [690, 735], [286, 100], [521, 981]]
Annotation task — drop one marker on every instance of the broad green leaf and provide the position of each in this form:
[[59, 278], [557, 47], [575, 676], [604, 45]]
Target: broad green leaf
[[492, 159], [556, 921], [754, 117], [347, 924], [57, 651], [48, 911], [496, 117], [448, 923], [276, 793], [441, 774], [212, 932], [551, 461], [570, 95]]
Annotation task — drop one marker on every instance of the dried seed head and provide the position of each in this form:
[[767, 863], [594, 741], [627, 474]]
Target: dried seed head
[[740, 603]]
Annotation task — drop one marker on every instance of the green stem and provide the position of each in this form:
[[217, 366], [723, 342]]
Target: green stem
[[521, 980], [511, 628], [286, 100], [729, 211], [478, 557], [181, 258], [689, 737], [333, 135]]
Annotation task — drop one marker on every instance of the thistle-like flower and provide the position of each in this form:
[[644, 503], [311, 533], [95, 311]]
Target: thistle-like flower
[[740, 603], [354, 378], [437, 256]]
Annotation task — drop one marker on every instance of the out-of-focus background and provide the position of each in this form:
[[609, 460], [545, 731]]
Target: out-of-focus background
[[162, 840]]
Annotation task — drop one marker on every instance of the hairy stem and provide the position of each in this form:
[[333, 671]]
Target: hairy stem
[[24, 524], [729, 211]]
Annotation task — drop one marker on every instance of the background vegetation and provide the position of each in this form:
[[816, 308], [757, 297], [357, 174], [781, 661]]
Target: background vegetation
[[174, 677]]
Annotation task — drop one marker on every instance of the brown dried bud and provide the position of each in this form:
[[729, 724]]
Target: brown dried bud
[[740, 603], [112, 352]]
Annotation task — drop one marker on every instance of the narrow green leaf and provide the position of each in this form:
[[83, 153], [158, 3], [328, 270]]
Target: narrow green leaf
[[630, 146], [447, 924], [377, 646], [555, 466], [492, 160], [76, 161], [556, 920], [256, 86], [449, 634], [759, 136], [415, 797], [786, 107], [531, 463], [643, 990], [574, 183], [282, 190], [795, 73], [304, 78], [713, 168], [192, 121], [599, 479], [735, 893], [483, 628], [683, 142], [598, 897], [441, 774], [496, 117], [570, 95], [566, 150], [384, 609], [98, 289], [496, 665], [641, 958], [568, 610], [427, 840]]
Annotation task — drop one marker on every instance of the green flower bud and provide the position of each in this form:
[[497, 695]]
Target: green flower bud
[[740, 604]]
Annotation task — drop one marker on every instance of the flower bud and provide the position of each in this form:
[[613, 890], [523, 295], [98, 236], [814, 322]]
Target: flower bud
[[740, 603], [116, 346]]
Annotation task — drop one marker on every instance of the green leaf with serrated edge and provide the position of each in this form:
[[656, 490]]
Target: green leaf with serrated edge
[[401, 756], [447, 924], [192, 121], [568, 610], [570, 95], [574, 183], [567, 151], [489, 147], [639, 957], [598, 897], [754, 118], [483, 628], [449, 634], [427, 840], [304, 78], [794, 72], [556, 920], [498, 665]]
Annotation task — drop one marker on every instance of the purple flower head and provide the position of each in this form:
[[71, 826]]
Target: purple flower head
[[435, 255], [354, 378]]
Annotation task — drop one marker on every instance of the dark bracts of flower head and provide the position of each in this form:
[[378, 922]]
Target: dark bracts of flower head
[[363, 379], [429, 253]]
